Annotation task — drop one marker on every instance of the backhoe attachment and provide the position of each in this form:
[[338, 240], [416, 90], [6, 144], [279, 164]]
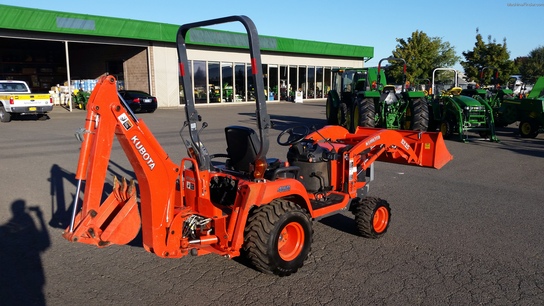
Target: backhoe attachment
[[115, 219]]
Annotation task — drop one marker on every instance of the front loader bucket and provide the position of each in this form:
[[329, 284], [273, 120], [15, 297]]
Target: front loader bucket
[[429, 148], [117, 220]]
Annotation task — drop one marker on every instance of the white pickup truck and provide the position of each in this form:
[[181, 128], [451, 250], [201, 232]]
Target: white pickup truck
[[16, 99]]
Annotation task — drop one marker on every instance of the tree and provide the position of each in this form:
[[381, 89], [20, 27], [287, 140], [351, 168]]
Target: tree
[[490, 55], [532, 66], [422, 54]]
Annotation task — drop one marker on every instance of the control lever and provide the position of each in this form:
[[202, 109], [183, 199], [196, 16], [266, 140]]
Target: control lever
[[327, 140]]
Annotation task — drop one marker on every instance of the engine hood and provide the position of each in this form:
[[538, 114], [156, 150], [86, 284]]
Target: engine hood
[[466, 101]]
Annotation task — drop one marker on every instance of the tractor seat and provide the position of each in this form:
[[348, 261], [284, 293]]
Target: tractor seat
[[389, 95], [455, 91], [242, 148], [389, 88], [360, 85]]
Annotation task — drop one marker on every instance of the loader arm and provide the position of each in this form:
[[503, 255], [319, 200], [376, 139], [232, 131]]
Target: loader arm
[[424, 149], [116, 220], [362, 148]]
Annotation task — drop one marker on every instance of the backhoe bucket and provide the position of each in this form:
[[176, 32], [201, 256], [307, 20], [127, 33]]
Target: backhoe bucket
[[429, 148], [117, 220]]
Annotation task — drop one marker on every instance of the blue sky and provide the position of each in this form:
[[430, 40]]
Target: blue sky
[[359, 22]]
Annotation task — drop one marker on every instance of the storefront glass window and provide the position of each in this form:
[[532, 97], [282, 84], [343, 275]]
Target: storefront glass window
[[200, 82], [284, 85], [265, 80], [214, 82], [311, 83], [228, 82], [302, 80], [327, 78], [273, 82], [293, 81], [240, 82], [250, 85], [319, 82]]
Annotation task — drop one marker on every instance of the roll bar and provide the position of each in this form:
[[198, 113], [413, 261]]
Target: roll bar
[[263, 120]]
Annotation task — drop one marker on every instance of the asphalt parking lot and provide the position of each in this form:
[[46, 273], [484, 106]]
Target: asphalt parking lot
[[469, 233]]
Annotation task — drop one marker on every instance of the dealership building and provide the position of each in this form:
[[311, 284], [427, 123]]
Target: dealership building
[[49, 48]]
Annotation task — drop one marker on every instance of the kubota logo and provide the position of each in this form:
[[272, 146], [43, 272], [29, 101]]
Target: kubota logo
[[372, 140], [143, 152]]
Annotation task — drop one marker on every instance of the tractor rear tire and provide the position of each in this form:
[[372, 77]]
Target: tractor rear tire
[[278, 237], [420, 115], [528, 128], [372, 217], [366, 113]]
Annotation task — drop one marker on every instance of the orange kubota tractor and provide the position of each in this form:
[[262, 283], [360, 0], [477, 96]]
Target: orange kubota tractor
[[249, 204]]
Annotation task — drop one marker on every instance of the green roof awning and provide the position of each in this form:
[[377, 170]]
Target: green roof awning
[[27, 19]]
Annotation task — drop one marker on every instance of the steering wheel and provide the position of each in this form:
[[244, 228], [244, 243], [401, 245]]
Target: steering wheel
[[296, 134]]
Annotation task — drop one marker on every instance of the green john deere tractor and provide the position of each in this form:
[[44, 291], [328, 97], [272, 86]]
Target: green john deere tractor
[[367, 100], [491, 94], [80, 98], [529, 111], [382, 106], [347, 86], [453, 113]]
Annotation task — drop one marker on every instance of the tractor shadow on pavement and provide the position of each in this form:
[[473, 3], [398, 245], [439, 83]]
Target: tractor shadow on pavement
[[60, 206], [511, 140], [341, 223]]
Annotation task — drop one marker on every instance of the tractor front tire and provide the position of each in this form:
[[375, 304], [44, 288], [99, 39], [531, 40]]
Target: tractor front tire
[[278, 237], [367, 113], [344, 116], [446, 129], [372, 217], [528, 128]]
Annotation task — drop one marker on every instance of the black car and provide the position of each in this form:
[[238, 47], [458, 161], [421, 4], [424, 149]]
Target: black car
[[139, 101]]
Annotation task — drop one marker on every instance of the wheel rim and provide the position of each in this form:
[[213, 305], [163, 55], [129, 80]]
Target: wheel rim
[[356, 116], [443, 128], [525, 128], [291, 241], [340, 117], [381, 219]]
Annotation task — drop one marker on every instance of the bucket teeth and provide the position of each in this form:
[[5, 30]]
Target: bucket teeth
[[123, 190], [116, 221]]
